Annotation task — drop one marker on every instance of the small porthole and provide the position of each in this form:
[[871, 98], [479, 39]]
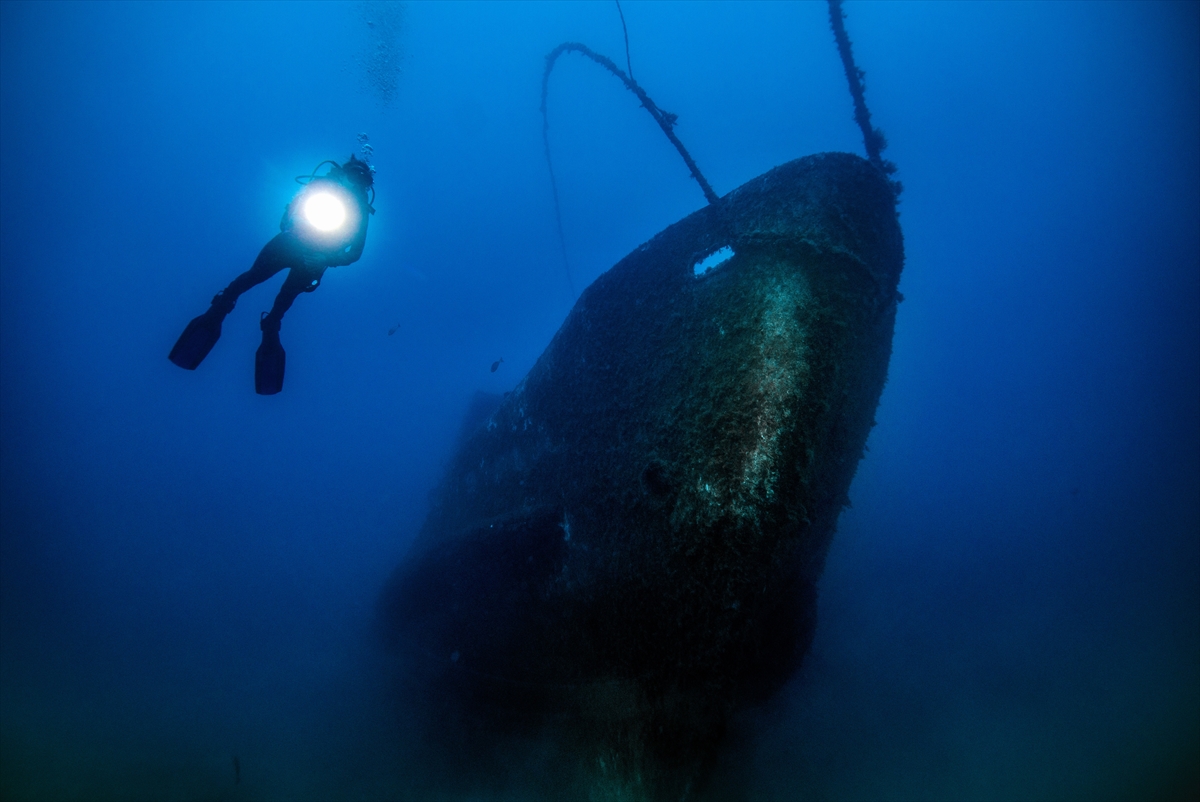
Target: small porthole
[[712, 262]]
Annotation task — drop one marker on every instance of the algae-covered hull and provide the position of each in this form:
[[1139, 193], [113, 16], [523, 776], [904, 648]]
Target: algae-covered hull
[[632, 538]]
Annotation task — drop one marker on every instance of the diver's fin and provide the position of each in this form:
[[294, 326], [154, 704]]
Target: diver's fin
[[202, 333], [197, 340], [268, 364]]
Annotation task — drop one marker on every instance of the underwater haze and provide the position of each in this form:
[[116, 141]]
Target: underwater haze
[[189, 571]]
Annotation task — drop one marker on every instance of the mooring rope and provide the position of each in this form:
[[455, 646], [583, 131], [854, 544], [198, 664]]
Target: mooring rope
[[665, 119], [624, 30], [873, 138], [562, 239]]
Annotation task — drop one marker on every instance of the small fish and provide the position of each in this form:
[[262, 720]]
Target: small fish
[[496, 364], [237, 771], [392, 330]]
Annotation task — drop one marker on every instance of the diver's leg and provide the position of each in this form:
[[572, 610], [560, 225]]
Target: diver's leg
[[203, 331], [277, 254], [297, 281], [270, 357]]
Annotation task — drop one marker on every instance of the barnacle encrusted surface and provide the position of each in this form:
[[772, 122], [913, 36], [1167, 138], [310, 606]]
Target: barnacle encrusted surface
[[643, 519]]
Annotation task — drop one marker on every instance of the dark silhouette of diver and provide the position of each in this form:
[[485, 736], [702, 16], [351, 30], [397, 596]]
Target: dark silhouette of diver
[[324, 225]]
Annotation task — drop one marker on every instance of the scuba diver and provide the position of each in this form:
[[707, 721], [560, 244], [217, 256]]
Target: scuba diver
[[324, 225]]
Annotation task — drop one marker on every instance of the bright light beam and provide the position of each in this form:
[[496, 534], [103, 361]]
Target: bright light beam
[[324, 212]]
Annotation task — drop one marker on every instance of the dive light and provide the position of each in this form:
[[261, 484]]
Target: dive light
[[324, 212], [329, 216]]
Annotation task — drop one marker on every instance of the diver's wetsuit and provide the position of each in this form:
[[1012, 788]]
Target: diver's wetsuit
[[307, 266]]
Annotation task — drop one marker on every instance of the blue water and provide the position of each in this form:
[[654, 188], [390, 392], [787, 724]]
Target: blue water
[[1011, 608]]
